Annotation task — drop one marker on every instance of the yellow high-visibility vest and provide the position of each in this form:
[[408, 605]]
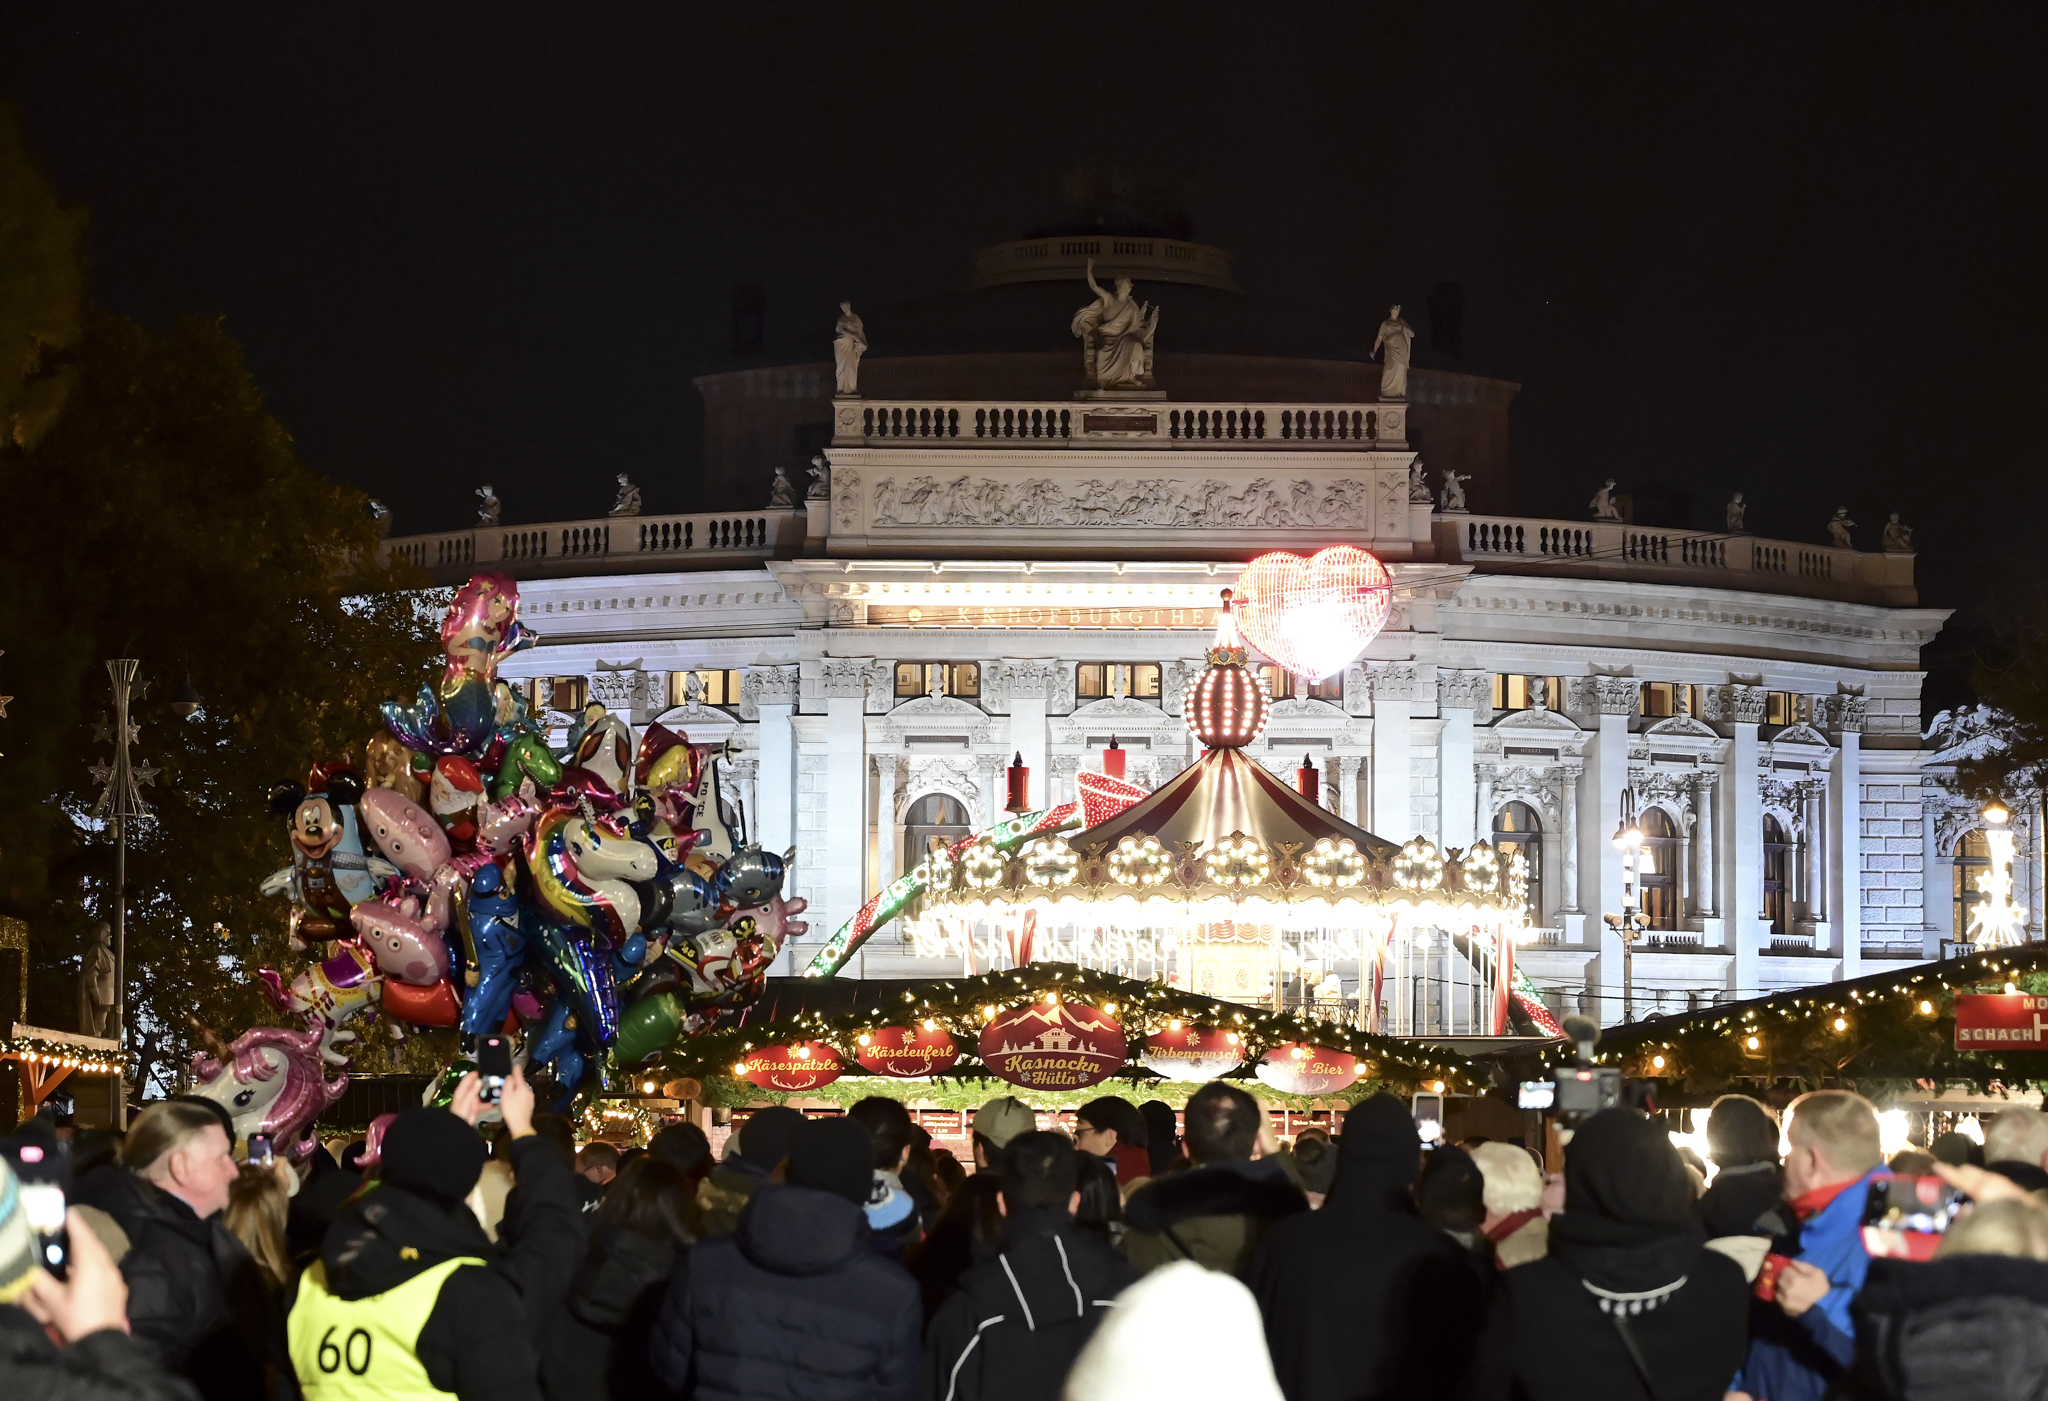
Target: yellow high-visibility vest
[[365, 1349]]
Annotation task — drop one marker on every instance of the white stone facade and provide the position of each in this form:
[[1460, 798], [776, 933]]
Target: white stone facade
[[1760, 698]]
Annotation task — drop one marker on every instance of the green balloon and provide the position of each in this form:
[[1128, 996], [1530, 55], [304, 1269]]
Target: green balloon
[[648, 1027], [526, 757]]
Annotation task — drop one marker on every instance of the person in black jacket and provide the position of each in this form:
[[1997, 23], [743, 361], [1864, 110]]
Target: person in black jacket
[[1747, 1197], [1217, 1213], [196, 1301], [67, 1340], [1629, 1303], [1364, 1299], [794, 1303], [475, 1331], [598, 1347], [1018, 1321]]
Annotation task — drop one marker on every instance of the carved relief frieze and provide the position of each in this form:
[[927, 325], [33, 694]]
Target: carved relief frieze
[[1263, 503]]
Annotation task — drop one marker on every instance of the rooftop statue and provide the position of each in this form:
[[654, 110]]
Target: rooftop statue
[[1397, 338], [781, 494], [1116, 332], [1454, 489], [627, 503], [1736, 511], [1418, 484], [488, 507], [821, 479], [1602, 503], [849, 343], [1839, 526], [1898, 539]]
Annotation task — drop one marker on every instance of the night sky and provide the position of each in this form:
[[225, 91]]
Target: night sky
[[1793, 251]]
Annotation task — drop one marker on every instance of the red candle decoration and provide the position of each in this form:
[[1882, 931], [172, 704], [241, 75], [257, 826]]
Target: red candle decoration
[[906, 1052], [1113, 759], [1193, 1053], [1308, 1070], [804, 1066], [1052, 1046], [1020, 786], [1308, 780]]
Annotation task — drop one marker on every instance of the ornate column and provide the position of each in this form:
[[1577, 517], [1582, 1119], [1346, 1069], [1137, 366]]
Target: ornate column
[[1845, 830], [846, 775], [1743, 707], [1060, 780], [1031, 683], [888, 847], [1568, 780], [1815, 808], [746, 780], [1458, 694], [1347, 787], [771, 690], [1705, 884], [989, 769], [1394, 688]]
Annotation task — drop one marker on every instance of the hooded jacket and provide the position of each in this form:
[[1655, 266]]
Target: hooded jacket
[[598, 1345], [488, 1321], [1215, 1215], [1364, 1298], [196, 1301], [104, 1366], [1629, 1287], [1018, 1321], [793, 1304], [1964, 1328]]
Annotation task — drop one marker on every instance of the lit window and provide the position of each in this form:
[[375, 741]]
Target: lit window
[[1781, 708], [1972, 860], [566, 694], [1279, 684], [1662, 699], [951, 678], [1095, 680]]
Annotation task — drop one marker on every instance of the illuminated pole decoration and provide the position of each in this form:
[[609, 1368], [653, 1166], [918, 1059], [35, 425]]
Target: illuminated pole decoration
[[1314, 616], [1996, 919], [1629, 924]]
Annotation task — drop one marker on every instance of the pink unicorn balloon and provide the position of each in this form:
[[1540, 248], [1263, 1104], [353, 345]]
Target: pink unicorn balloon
[[273, 1081]]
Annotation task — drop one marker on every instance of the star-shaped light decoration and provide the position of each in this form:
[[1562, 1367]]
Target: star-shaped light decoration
[[103, 730], [102, 774], [146, 773]]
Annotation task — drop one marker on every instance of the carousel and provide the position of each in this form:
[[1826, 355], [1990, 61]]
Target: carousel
[[1229, 883]]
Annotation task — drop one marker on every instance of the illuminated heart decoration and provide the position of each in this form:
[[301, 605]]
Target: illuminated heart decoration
[[1314, 615]]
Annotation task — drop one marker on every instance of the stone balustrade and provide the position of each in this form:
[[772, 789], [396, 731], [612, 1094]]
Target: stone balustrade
[[1120, 424], [1718, 559], [612, 545]]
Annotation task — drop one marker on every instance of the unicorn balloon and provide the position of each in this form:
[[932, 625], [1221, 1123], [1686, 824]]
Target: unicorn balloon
[[271, 1081]]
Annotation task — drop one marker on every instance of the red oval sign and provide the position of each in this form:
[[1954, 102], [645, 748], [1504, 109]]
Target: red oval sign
[[1194, 1053], [906, 1052], [1053, 1046], [804, 1066], [1308, 1070]]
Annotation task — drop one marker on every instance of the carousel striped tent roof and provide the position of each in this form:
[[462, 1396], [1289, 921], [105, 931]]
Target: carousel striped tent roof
[[1224, 792]]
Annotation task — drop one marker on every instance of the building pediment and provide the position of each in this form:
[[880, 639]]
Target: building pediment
[[1548, 723], [1681, 727], [931, 715], [1802, 734]]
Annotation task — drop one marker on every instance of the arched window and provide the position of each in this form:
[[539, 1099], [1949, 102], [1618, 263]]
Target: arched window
[[1657, 870], [1517, 828], [938, 815], [1973, 859], [1777, 864]]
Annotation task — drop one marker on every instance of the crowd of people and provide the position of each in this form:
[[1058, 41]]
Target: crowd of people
[[1147, 1256]]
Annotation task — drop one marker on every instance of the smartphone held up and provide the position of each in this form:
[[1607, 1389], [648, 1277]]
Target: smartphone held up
[[493, 1066]]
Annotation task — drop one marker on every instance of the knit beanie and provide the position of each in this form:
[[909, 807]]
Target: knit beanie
[[431, 1152], [764, 1138], [19, 1256], [833, 1155]]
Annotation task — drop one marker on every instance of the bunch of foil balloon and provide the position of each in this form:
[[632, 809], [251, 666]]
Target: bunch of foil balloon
[[594, 901]]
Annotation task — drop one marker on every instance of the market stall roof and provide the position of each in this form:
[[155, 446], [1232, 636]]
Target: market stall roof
[[1222, 793]]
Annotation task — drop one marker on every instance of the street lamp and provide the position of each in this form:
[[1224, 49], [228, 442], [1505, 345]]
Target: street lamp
[[1997, 918], [121, 804], [1628, 840]]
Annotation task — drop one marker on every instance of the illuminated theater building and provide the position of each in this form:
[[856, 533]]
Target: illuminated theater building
[[1003, 565]]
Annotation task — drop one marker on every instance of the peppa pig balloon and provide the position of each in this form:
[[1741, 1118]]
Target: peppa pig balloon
[[402, 946], [405, 832]]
